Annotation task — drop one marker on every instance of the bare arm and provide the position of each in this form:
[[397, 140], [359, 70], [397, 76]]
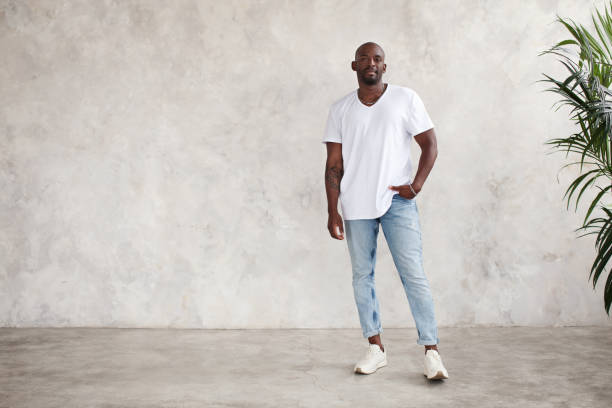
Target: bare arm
[[429, 152], [334, 170]]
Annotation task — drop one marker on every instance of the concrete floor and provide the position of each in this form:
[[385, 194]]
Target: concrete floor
[[488, 367]]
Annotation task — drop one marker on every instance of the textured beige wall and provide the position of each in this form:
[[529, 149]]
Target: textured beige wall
[[161, 164]]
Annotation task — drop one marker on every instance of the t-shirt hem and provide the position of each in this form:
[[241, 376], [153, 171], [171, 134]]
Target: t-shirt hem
[[424, 130], [380, 214]]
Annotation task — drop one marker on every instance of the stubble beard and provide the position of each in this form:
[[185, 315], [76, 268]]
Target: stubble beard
[[370, 80]]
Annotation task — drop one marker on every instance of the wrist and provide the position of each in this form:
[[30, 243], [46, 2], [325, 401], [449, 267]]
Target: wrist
[[416, 186]]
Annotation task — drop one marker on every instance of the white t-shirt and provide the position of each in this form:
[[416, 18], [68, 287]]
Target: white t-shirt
[[375, 147]]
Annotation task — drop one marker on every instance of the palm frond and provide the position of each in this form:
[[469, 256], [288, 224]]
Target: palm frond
[[585, 92]]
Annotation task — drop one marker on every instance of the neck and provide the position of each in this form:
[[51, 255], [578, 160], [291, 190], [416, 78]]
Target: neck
[[369, 90]]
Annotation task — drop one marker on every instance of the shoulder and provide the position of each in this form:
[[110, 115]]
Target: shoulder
[[409, 96], [404, 91], [341, 103]]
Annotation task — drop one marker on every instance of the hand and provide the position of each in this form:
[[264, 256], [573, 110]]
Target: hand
[[405, 191], [335, 226]]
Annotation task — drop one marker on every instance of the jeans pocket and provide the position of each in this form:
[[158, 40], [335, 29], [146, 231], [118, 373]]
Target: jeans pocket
[[403, 198]]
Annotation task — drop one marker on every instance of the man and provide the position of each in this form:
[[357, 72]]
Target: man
[[368, 137]]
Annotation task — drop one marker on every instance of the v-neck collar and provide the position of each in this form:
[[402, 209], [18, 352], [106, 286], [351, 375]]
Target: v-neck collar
[[386, 90]]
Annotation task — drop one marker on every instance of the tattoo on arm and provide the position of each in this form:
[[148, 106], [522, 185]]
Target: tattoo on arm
[[333, 175]]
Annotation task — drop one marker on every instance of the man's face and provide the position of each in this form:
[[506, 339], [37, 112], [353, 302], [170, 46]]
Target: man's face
[[369, 64]]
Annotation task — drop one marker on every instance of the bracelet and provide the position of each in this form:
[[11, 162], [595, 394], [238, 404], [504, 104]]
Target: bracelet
[[411, 189]]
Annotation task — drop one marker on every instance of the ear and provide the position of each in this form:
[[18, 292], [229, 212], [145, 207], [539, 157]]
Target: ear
[[384, 68], [354, 66]]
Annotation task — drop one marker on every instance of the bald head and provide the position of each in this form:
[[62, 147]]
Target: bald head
[[369, 45]]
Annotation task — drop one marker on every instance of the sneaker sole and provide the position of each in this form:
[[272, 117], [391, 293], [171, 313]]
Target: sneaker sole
[[439, 376], [359, 370]]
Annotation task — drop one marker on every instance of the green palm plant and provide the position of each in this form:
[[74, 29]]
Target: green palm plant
[[588, 59]]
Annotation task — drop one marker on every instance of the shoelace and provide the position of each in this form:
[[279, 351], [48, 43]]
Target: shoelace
[[373, 349], [435, 355]]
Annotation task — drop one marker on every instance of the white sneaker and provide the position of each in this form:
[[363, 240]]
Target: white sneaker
[[434, 369], [372, 361]]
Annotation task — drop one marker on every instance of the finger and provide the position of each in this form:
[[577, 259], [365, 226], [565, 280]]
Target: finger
[[339, 232], [395, 188], [332, 231]]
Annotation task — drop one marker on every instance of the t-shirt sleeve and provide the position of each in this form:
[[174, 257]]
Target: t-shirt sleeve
[[332, 129], [418, 118]]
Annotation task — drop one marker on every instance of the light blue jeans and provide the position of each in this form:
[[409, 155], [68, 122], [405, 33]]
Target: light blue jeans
[[402, 231]]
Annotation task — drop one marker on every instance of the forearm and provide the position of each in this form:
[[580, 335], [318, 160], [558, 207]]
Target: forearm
[[426, 163], [333, 176]]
